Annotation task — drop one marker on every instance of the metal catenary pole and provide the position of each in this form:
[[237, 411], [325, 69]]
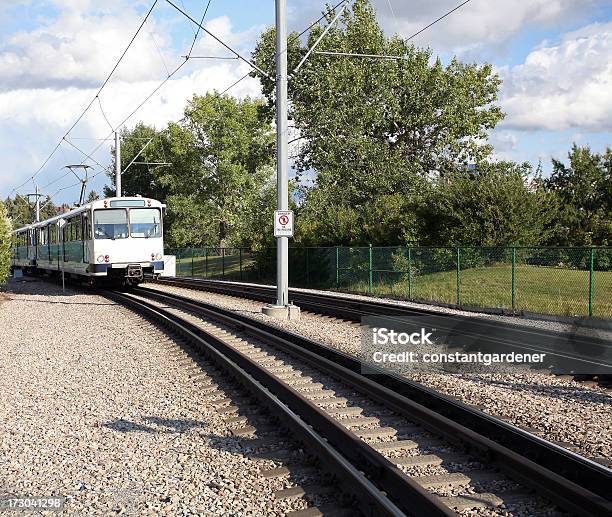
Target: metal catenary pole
[[37, 205], [591, 268], [118, 163], [409, 273], [370, 269], [458, 276], [337, 267], [282, 155], [513, 278]]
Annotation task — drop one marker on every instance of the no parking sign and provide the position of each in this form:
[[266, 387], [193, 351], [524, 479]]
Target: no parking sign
[[283, 223]]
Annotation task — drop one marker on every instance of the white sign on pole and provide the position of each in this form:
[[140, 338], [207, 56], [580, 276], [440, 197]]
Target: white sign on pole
[[283, 223]]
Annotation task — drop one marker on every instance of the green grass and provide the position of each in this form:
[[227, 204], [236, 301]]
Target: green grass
[[215, 265], [538, 289], [547, 290]]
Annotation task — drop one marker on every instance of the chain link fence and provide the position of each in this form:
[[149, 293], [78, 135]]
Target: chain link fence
[[547, 280]]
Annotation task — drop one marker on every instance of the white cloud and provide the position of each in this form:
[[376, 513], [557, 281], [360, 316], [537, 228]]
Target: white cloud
[[480, 28], [78, 47], [561, 86], [50, 74]]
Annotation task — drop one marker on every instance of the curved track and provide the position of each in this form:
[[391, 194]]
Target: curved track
[[532, 462]]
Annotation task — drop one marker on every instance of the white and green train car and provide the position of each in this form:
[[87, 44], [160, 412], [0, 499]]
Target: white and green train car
[[120, 239]]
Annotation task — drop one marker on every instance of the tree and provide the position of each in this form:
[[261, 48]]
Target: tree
[[93, 196], [584, 191], [5, 244], [141, 179], [22, 212], [375, 129], [222, 155], [500, 204]]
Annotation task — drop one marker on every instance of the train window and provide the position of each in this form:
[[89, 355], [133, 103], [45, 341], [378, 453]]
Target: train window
[[86, 227], [145, 222], [78, 228], [110, 224], [127, 202]]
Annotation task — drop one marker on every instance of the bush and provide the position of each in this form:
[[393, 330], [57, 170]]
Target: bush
[[5, 244]]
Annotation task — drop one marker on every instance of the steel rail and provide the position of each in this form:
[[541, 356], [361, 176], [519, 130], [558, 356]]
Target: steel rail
[[593, 478], [339, 448]]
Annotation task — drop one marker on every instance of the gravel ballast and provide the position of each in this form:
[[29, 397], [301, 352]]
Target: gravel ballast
[[95, 408], [577, 415]]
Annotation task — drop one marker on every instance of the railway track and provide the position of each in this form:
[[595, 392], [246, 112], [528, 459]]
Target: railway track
[[571, 350], [397, 454]]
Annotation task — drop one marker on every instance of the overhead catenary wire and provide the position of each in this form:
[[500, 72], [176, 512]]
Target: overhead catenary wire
[[197, 32], [108, 77], [219, 40], [148, 14], [437, 20], [103, 114], [321, 36]]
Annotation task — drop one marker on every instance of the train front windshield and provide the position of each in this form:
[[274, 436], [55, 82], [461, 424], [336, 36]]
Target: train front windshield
[[145, 222], [111, 224]]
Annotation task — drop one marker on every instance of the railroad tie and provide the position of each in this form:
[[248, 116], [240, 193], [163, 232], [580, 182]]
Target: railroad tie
[[342, 411], [298, 381], [323, 511], [421, 460], [359, 421], [467, 502], [317, 394], [283, 472], [227, 410], [384, 432], [274, 455], [220, 402], [455, 479], [240, 419], [332, 401], [395, 446], [247, 430], [298, 492]]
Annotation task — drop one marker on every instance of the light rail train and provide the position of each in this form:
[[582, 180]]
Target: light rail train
[[117, 239]]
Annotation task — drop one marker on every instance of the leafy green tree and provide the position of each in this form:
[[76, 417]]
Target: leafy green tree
[[5, 243], [584, 190], [377, 128], [499, 204], [222, 155], [141, 146], [93, 196], [22, 212]]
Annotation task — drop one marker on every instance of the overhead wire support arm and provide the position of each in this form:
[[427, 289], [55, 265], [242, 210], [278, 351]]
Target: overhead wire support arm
[[351, 54], [320, 38], [219, 40], [136, 157]]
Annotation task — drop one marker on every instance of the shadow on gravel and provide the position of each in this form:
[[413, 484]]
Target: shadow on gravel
[[576, 393], [163, 425], [38, 286]]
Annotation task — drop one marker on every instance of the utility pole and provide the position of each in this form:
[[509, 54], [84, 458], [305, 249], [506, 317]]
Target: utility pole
[[118, 163], [37, 205], [282, 309], [282, 154], [38, 196]]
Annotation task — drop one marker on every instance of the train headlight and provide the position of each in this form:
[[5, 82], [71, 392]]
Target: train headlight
[[100, 258], [158, 256]]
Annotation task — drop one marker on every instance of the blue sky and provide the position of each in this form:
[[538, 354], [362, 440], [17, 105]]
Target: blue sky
[[555, 57]]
